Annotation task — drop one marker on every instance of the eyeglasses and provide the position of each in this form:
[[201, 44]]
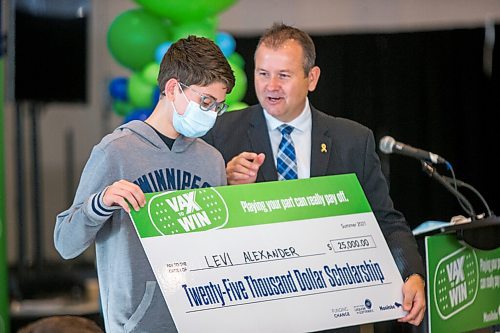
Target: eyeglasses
[[208, 103]]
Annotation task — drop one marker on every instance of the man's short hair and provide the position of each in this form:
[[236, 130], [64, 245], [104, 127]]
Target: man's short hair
[[195, 60], [279, 33]]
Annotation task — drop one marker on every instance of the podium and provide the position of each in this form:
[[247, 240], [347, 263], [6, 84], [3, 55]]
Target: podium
[[463, 276], [462, 259]]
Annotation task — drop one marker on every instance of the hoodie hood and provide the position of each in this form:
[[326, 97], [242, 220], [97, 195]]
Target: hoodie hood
[[146, 133]]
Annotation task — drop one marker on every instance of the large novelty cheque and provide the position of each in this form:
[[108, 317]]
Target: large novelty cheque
[[294, 256]]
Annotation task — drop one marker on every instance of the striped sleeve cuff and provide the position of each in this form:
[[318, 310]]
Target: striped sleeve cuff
[[97, 209]]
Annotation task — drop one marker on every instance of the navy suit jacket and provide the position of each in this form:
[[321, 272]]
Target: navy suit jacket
[[350, 149]]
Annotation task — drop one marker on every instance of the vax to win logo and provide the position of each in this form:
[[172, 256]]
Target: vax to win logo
[[456, 282], [195, 210]]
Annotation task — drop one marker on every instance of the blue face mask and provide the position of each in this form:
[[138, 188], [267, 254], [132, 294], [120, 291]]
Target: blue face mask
[[195, 122]]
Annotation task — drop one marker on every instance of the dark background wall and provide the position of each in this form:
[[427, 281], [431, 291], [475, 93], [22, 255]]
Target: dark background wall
[[427, 89]]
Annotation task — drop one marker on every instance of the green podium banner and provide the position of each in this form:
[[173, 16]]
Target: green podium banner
[[463, 285]]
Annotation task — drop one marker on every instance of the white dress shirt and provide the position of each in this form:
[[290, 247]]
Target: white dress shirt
[[301, 137]]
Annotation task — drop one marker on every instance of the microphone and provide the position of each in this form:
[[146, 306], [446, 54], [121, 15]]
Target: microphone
[[390, 146]]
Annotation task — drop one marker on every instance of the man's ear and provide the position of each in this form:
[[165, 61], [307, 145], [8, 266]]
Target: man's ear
[[170, 88], [313, 77]]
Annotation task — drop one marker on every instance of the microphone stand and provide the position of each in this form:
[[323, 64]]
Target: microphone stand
[[431, 172], [472, 189], [484, 235]]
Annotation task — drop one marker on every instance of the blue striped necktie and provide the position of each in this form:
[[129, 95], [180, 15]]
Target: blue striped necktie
[[286, 160]]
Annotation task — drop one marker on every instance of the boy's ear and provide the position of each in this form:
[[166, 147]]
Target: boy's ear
[[170, 87]]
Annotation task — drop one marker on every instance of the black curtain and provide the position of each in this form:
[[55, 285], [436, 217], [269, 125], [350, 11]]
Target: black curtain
[[427, 89]]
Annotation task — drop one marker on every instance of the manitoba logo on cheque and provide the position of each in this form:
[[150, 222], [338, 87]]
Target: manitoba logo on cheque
[[182, 212]]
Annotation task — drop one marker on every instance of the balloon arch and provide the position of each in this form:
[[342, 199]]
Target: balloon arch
[[139, 38]]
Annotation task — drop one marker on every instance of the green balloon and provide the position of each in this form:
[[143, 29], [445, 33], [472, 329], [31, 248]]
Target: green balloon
[[240, 86], [206, 27], [237, 59], [150, 73], [237, 106], [185, 10], [140, 92], [122, 108], [133, 37]]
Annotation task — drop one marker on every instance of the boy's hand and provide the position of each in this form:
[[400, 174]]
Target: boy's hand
[[242, 169], [122, 193]]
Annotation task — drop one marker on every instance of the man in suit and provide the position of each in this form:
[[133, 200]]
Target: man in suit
[[249, 141]]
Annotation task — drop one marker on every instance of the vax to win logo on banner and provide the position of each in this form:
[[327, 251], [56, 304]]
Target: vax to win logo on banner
[[196, 210], [456, 282]]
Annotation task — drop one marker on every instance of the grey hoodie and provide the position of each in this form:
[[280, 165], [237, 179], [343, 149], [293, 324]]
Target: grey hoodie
[[131, 299]]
